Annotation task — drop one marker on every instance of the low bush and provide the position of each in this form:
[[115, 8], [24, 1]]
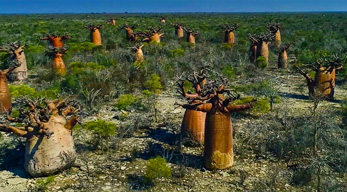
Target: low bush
[[261, 62], [157, 168]]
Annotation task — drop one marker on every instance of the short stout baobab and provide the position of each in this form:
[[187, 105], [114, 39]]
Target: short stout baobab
[[48, 132], [152, 35], [324, 81]]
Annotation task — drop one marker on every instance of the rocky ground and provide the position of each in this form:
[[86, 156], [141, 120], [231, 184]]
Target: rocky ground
[[122, 166]]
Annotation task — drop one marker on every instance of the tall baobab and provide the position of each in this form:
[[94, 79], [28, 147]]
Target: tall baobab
[[190, 35], [95, 36], [229, 36], [323, 83], [5, 96], [58, 65], [178, 29], [111, 22], [253, 48], [274, 29], [218, 151], [56, 40], [283, 57], [16, 50], [193, 124], [48, 132]]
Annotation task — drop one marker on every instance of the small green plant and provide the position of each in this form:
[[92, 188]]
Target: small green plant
[[260, 107], [43, 184], [177, 52], [229, 72], [102, 131], [125, 101], [26, 91], [261, 62], [157, 168], [153, 84], [226, 46]]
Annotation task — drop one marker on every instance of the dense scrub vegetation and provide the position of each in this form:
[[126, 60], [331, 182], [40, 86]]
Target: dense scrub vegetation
[[311, 142]]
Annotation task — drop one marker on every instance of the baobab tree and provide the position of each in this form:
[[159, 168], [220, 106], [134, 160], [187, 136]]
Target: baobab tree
[[262, 45], [16, 50], [130, 35], [138, 53], [253, 48], [152, 35], [274, 29], [111, 22], [190, 35], [178, 29], [95, 35], [56, 41], [193, 124], [162, 20], [5, 96], [218, 150], [229, 36], [323, 83], [283, 57], [48, 132], [58, 65]]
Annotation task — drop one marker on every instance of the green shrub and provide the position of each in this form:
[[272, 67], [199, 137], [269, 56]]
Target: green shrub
[[34, 49], [26, 91], [157, 168], [101, 128], [125, 101], [85, 46], [226, 46], [42, 184], [177, 52], [261, 62], [154, 84], [260, 107], [228, 71]]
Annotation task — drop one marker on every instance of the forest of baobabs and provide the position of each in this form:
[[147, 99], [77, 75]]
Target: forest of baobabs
[[173, 102]]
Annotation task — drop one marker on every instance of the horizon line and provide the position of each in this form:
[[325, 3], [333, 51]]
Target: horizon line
[[125, 12]]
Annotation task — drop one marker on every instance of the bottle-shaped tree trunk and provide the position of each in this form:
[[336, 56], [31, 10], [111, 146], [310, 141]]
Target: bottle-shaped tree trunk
[[5, 97], [55, 40], [283, 58], [58, 64], [229, 37], [20, 73], [49, 145], [278, 38], [179, 32], [218, 151], [138, 53], [96, 37], [264, 50]]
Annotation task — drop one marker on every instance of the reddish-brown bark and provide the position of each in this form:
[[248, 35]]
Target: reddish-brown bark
[[283, 58], [190, 35], [58, 65], [129, 31], [218, 151], [229, 36], [56, 40], [179, 30], [95, 36], [152, 35], [324, 82], [274, 29]]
